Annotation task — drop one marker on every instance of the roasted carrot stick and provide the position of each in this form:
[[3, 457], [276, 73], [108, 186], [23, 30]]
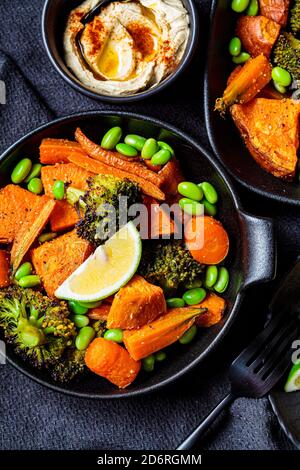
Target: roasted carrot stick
[[161, 332], [31, 229], [98, 167], [245, 85], [206, 239], [4, 269], [58, 151], [111, 361], [113, 159]]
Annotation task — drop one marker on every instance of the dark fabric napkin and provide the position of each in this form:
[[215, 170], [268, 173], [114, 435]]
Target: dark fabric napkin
[[33, 417]]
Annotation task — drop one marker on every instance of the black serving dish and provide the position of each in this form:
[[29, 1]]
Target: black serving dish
[[252, 256], [223, 134], [55, 14]]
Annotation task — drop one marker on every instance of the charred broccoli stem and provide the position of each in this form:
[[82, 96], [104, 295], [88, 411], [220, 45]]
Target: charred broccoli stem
[[169, 265], [295, 17], [106, 204], [286, 54], [30, 334]]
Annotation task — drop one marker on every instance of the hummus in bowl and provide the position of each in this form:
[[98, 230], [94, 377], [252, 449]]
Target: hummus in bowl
[[128, 47]]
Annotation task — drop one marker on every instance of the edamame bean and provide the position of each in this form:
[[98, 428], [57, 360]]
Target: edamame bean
[[164, 145], [58, 190], [21, 171], [191, 207], [160, 356], [111, 138], [211, 276], [253, 8], [175, 302], [279, 87], [135, 141], [281, 76], [161, 157], [150, 148], [35, 186], [114, 334], [239, 5], [242, 58], [209, 209], [29, 281], [235, 46], [189, 335], [190, 190], [80, 320], [127, 150], [76, 308], [84, 337], [209, 192], [90, 304], [148, 363], [223, 280], [194, 296], [47, 237], [24, 270], [34, 173]]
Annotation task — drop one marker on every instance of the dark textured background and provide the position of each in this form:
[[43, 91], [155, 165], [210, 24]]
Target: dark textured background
[[33, 417]]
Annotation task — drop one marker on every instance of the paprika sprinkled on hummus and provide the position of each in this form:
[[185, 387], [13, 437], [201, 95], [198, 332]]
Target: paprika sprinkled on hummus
[[128, 47]]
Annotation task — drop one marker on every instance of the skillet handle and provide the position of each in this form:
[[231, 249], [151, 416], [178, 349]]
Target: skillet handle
[[259, 249]]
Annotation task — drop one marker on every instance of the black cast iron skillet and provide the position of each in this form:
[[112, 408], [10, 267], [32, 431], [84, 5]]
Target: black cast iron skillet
[[223, 135], [54, 19], [251, 259]]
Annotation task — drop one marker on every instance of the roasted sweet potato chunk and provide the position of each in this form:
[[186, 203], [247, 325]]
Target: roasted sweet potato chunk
[[4, 269], [58, 151], [31, 228], [276, 10], [55, 261], [69, 173], [215, 308], [136, 304], [15, 203], [258, 34], [270, 129], [171, 175], [64, 215]]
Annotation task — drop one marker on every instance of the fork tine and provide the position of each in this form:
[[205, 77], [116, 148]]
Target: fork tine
[[278, 371], [268, 350], [260, 342], [285, 346]]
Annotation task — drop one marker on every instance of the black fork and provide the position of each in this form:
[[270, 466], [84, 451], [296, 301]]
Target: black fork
[[257, 369]]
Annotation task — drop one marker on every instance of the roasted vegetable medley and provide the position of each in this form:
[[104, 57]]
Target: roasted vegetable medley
[[263, 90], [83, 285]]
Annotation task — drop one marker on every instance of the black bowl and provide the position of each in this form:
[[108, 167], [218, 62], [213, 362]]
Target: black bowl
[[54, 19], [223, 134], [251, 258]]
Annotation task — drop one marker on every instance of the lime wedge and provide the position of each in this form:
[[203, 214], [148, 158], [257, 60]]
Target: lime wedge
[[109, 268]]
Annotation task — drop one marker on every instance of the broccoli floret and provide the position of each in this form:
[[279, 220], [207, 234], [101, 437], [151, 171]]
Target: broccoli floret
[[169, 265], [295, 17], [100, 327], [106, 204], [286, 54], [37, 327], [70, 366]]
